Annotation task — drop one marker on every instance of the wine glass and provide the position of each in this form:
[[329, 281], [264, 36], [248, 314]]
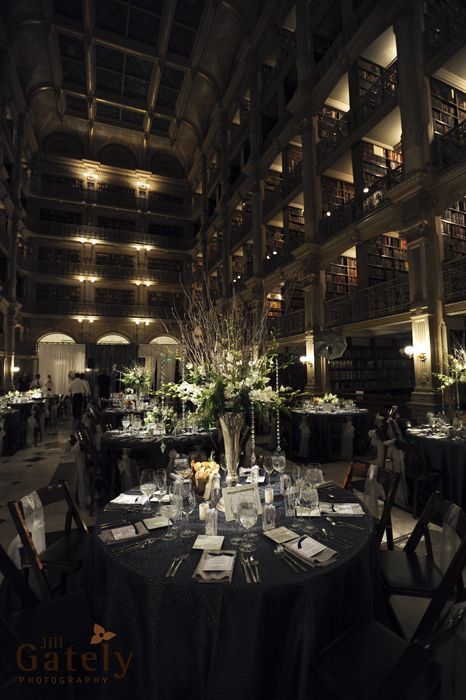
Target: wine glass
[[308, 499], [137, 423], [125, 422], [223, 466], [314, 473], [247, 517], [161, 481], [171, 510], [187, 506], [268, 467], [147, 484]]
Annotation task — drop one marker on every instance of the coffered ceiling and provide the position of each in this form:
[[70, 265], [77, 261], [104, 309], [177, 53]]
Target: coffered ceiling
[[138, 72]]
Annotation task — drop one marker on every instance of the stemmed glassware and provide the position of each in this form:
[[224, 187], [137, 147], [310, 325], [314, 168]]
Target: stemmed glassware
[[161, 481], [171, 510], [247, 517], [308, 499], [137, 424], [268, 466], [148, 485], [187, 506], [125, 422]]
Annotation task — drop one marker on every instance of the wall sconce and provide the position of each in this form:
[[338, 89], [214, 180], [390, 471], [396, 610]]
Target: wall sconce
[[409, 351], [92, 279], [81, 279], [85, 319], [82, 240], [141, 321], [147, 284], [138, 247], [16, 369], [306, 360], [90, 176], [142, 185], [422, 356], [148, 247], [366, 190], [138, 283], [329, 213]]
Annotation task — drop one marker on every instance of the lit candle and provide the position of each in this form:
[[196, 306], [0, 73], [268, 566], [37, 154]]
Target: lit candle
[[203, 508], [268, 495]]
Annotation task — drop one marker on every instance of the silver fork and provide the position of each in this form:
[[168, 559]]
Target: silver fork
[[246, 569], [178, 563], [255, 564], [330, 536], [292, 563], [135, 546], [350, 525], [172, 566]]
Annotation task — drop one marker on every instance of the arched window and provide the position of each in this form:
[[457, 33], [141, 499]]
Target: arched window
[[56, 338], [113, 339], [164, 340]]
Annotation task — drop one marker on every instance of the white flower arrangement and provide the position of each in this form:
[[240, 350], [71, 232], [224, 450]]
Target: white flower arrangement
[[135, 377], [328, 398]]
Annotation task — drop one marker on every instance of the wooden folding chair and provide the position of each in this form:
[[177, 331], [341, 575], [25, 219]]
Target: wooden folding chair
[[93, 462], [418, 473], [407, 573], [67, 554], [357, 474]]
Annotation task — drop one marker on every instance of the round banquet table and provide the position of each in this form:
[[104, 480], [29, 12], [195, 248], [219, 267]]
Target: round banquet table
[[446, 456], [325, 432], [114, 416], [226, 641]]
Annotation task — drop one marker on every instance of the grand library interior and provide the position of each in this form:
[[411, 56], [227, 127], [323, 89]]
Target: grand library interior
[[233, 307]]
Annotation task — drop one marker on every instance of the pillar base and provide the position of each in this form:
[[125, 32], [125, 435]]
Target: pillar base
[[423, 402]]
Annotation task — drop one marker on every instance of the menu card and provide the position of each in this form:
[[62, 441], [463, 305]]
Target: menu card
[[156, 522], [341, 509], [310, 550], [281, 534], [122, 534], [215, 566], [211, 542]]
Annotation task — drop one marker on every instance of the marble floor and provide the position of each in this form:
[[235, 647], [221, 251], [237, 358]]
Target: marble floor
[[33, 467]]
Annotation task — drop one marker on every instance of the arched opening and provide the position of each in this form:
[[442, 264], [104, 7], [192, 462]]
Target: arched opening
[[113, 339], [118, 156], [160, 356], [56, 338], [166, 165], [59, 356], [63, 145]]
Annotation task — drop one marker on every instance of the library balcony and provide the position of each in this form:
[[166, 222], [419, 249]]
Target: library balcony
[[386, 299], [357, 208], [449, 148], [271, 200], [238, 132], [288, 325], [213, 175], [454, 280], [76, 308], [119, 272], [214, 258], [95, 234], [240, 232], [292, 179], [374, 104], [445, 26], [61, 188]]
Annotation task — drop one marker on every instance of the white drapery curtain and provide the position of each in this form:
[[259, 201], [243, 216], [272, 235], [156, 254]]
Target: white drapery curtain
[[58, 360], [154, 355]]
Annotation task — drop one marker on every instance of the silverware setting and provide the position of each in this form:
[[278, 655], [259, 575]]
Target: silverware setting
[[248, 569], [135, 546], [255, 564], [344, 544], [341, 524], [117, 523], [297, 566], [175, 565]]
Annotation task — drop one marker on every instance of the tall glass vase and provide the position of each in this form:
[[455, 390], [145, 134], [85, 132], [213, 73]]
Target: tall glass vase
[[231, 424]]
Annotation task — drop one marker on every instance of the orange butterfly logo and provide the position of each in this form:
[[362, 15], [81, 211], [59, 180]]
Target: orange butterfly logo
[[100, 635]]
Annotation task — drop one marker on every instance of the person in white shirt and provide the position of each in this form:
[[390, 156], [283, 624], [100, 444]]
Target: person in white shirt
[[77, 391], [49, 384], [36, 384]]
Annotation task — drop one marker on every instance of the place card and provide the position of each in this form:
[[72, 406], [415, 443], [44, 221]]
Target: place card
[[281, 534], [305, 547], [156, 522], [233, 495], [127, 499], [121, 534], [302, 512], [260, 480], [213, 542], [219, 562], [348, 509]]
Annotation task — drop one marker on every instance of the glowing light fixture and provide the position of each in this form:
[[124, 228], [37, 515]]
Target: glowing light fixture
[[409, 351], [366, 190]]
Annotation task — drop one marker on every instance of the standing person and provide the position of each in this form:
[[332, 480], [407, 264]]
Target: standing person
[[115, 379], [49, 384], [103, 382], [36, 384], [77, 391]]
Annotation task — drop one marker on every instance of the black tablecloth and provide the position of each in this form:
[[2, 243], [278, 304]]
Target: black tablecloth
[[326, 429], [12, 440], [447, 457], [223, 642], [114, 416]]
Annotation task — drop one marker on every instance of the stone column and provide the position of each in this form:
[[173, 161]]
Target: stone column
[[413, 88], [313, 315], [425, 257], [258, 230], [311, 182]]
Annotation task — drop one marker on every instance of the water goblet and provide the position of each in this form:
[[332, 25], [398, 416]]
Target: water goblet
[[148, 485], [268, 467], [125, 422], [308, 499], [171, 510], [187, 506], [247, 517]]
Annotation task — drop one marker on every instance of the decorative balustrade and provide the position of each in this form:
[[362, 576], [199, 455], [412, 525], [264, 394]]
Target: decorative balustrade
[[238, 131], [213, 175], [292, 179], [287, 325], [94, 270], [450, 148], [96, 234], [454, 280], [385, 299], [215, 258], [62, 190], [271, 200], [381, 92], [76, 308], [359, 207], [295, 239], [349, 30]]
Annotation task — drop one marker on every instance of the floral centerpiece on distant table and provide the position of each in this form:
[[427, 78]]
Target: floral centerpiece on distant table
[[136, 378], [328, 399], [455, 373], [227, 368]]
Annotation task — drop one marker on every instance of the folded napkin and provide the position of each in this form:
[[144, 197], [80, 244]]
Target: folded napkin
[[310, 550], [215, 567], [122, 534], [260, 480], [129, 499], [209, 542], [244, 471], [341, 509]]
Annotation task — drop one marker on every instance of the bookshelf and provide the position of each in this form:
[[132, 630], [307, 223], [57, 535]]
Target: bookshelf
[[327, 119], [374, 367], [272, 182], [60, 216], [275, 305], [57, 292], [335, 193], [165, 230], [294, 156], [341, 277], [105, 295], [295, 216], [448, 106], [114, 260], [170, 265], [274, 239], [58, 255], [116, 224], [454, 230], [368, 74], [378, 161], [387, 258]]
